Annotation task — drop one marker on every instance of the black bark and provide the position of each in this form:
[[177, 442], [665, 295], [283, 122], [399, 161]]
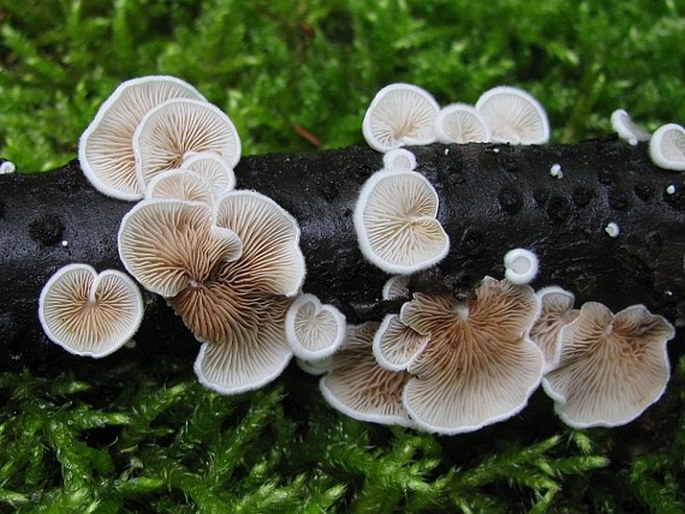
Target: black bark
[[493, 198]]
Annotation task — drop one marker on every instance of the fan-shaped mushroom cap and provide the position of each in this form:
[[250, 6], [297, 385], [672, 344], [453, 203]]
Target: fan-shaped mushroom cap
[[105, 150], [612, 367], [399, 159], [396, 225], [87, 313], [314, 331], [213, 167], [396, 286], [667, 147], [556, 311], [395, 345], [479, 366], [626, 129], [513, 116], [358, 387], [240, 312], [399, 115], [180, 184], [461, 123], [316, 368], [169, 245], [176, 127], [521, 266]]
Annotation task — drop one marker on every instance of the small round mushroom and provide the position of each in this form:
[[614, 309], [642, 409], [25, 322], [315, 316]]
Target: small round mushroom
[[399, 159], [178, 126], [626, 129], [396, 225], [213, 167], [461, 123], [396, 286], [556, 311], [395, 345], [314, 331], [400, 115], [105, 151], [612, 367], [479, 366], [358, 387], [514, 116], [87, 313], [667, 147], [180, 184], [7, 167], [169, 245], [521, 266]]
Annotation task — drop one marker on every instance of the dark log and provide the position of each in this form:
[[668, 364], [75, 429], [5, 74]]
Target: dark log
[[493, 198]]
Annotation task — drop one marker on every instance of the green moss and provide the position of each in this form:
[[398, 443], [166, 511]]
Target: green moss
[[145, 437]]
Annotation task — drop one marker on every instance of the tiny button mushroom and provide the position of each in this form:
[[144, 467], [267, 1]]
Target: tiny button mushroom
[[521, 266], [400, 114], [461, 123], [396, 225], [105, 151], [314, 331], [667, 147], [399, 159], [514, 116], [87, 313]]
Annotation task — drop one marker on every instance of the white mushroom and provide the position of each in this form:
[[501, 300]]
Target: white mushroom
[[479, 366], [358, 387], [396, 286], [461, 123], [180, 184], [105, 150], [521, 266], [612, 367], [396, 346], [213, 167], [172, 129], [7, 167], [396, 225], [513, 116], [399, 159], [556, 311], [667, 147], [626, 129], [87, 313], [400, 115], [314, 331]]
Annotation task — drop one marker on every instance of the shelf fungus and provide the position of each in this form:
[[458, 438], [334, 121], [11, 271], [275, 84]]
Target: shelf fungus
[[479, 366], [612, 366], [358, 387], [400, 115], [556, 311], [667, 147], [178, 126], [396, 225], [513, 116], [105, 147], [214, 168], [314, 331], [461, 123], [89, 313]]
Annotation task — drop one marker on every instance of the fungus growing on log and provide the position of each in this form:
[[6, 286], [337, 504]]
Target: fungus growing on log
[[556, 311], [461, 123], [214, 168], [180, 184], [667, 147], [627, 129], [314, 331]]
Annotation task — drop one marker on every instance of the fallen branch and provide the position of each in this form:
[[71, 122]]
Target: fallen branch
[[493, 198]]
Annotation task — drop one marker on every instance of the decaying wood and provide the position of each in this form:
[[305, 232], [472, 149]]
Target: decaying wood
[[493, 198]]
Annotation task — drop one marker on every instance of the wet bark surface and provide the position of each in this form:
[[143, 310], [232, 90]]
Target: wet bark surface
[[492, 198]]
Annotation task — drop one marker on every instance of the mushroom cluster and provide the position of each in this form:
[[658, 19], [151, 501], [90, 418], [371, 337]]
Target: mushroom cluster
[[405, 115]]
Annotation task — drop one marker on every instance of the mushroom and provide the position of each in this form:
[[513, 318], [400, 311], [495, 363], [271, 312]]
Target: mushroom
[[87, 313], [556, 311], [521, 266], [395, 345], [216, 169], [396, 225], [399, 115], [358, 387], [626, 129], [399, 159], [513, 116], [105, 151], [174, 128], [7, 167], [314, 367], [479, 366], [180, 184], [612, 367], [239, 311], [170, 245], [396, 286], [314, 331], [667, 147], [461, 123]]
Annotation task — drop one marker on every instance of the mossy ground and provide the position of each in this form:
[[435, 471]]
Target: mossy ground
[[145, 437]]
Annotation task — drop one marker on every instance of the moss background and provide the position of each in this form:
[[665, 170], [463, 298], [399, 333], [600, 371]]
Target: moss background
[[119, 435]]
